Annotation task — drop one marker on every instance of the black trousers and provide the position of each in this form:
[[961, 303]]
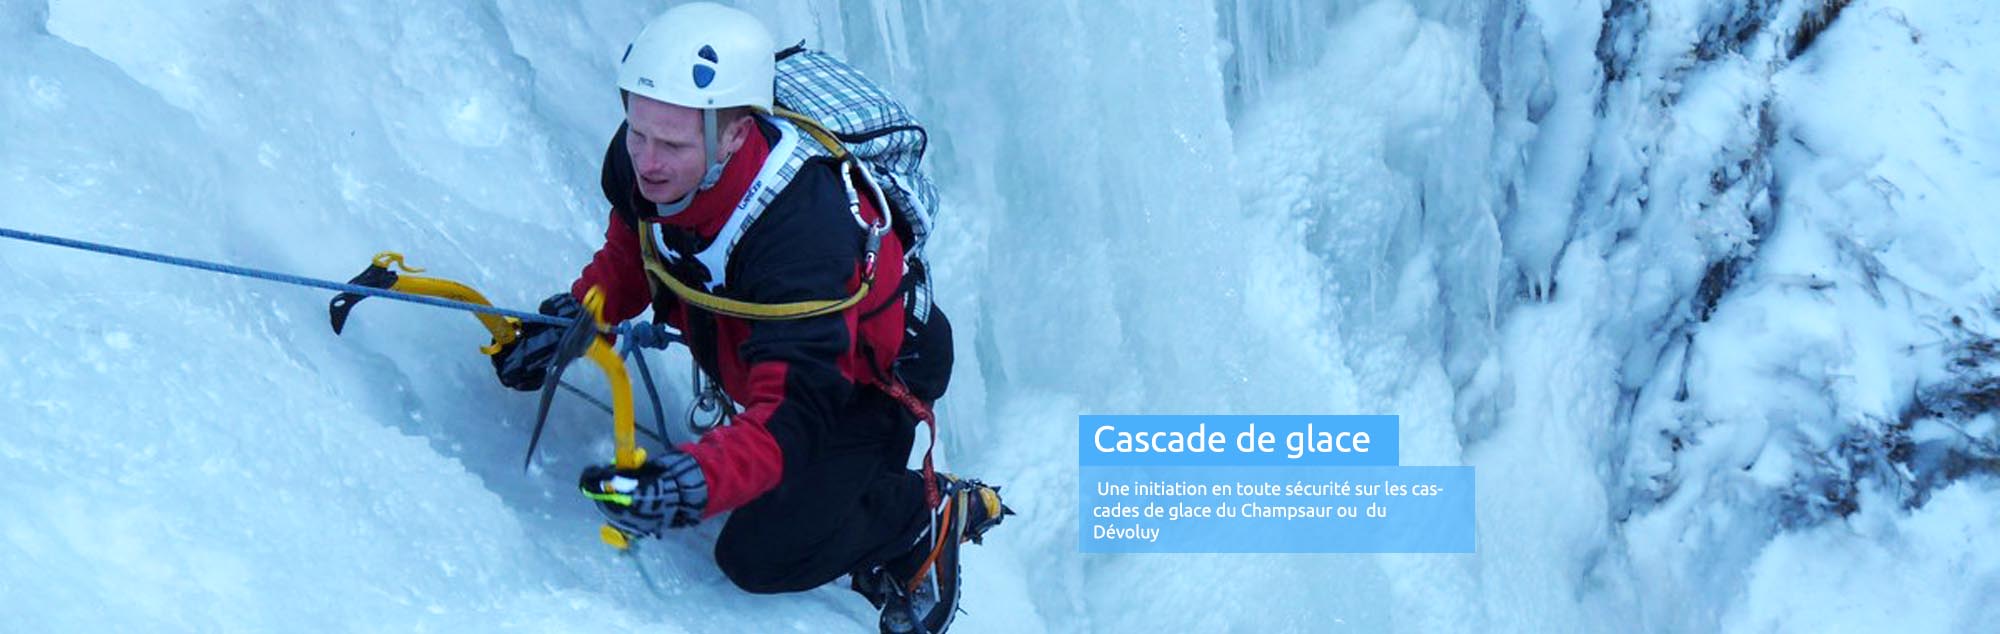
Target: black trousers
[[853, 506]]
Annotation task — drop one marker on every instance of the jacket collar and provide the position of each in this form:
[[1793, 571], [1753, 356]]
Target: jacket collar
[[708, 211]]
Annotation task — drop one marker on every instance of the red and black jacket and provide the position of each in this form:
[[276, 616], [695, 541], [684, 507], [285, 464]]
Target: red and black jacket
[[791, 379]]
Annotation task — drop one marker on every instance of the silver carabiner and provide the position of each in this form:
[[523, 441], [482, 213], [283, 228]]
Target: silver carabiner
[[709, 402]]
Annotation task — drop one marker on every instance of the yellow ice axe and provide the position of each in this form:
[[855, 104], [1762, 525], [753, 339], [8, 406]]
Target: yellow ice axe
[[583, 338], [378, 275], [627, 454]]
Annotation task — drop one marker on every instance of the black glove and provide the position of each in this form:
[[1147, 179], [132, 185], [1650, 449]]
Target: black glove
[[667, 492], [523, 364]]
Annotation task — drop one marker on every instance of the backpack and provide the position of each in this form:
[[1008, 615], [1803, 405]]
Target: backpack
[[875, 127], [880, 133]]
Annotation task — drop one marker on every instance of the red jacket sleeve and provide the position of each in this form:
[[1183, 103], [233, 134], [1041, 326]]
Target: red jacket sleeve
[[743, 460], [618, 274]]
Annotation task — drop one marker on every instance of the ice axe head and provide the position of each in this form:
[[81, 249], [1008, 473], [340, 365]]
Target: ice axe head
[[576, 340], [377, 275]]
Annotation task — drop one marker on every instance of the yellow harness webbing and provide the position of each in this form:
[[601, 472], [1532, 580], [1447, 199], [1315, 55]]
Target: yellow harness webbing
[[750, 310]]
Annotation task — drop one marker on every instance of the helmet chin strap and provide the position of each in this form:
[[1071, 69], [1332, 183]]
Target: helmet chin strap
[[708, 178]]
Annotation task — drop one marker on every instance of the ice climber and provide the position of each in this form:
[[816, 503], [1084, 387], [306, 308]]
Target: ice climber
[[737, 227]]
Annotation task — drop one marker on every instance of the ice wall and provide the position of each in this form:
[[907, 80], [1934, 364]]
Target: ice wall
[[1698, 287]]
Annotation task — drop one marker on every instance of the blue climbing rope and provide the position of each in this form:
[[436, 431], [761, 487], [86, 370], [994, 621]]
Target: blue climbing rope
[[230, 269]]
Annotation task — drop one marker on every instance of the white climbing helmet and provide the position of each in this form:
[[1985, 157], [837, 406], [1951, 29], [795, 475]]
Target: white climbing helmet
[[702, 55]]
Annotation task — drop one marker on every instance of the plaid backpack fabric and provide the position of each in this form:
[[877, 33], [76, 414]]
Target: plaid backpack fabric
[[874, 126]]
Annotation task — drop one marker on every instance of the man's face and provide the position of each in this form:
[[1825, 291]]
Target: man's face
[[664, 141]]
